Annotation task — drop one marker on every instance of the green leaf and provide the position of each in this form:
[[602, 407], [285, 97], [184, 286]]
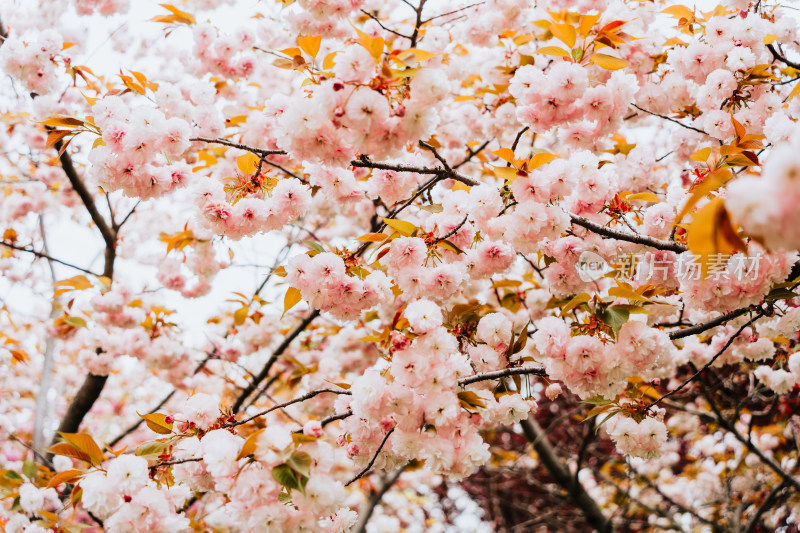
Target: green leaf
[[314, 246], [780, 294], [615, 316], [300, 462], [286, 477], [29, 469]]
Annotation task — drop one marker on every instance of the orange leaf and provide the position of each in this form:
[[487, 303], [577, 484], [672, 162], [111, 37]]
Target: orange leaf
[[373, 237], [85, 444], [310, 44], [247, 163], [67, 476], [249, 446], [564, 33]]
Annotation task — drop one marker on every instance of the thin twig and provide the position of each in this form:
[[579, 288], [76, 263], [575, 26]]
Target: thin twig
[[376, 19], [225, 142], [46, 256], [476, 4], [679, 123], [372, 461], [302, 398]]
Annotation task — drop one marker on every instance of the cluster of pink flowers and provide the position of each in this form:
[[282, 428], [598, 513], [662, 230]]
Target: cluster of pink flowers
[[32, 59], [325, 284], [127, 500], [645, 439], [766, 206], [104, 7], [140, 144], [253, 214], [563, 97], [591, 367], [228, 55]]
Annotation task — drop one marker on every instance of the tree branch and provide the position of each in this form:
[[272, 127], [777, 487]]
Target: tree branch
[[704, 326], [710, 362], [780, 57], [93, 385], [497, 374], [670, 246], [273, 358], [561, 475], [376, 19], [374, 500], [109, 236]]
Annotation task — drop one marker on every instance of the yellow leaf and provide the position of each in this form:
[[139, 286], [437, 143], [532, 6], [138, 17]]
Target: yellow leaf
[[401, 226], [702, 155], [374, 45], [249, 446], [587, 23], [679, 12], [623, 290], [86, 444], [712, 182], [420, 55], [67, 476], [711, 233], [470, 400], [506, 173], [291, 299], [247, 163], [72, 284], [553, 51], [157, 422], [608, 62], [206, 158], [564, 33], [581, 298], [769, 39], [642, 197], [674, 41], [310, 44], [240, 315], [541, 159], [68, 450], [519, 40], [177, 15], [19, 356], [328, 62]]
